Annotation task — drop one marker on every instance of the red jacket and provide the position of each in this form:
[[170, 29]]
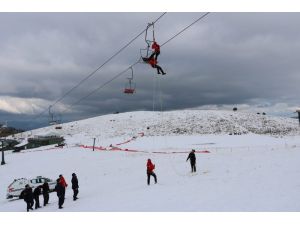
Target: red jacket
[[63, 182], [150, 166], [152, 62], [156, 47]]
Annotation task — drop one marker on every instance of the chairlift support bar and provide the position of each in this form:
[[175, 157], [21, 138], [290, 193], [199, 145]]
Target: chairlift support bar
[[153, 34], [147, 40], [131, 78]]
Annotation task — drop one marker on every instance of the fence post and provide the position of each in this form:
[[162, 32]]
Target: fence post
[[94, 144], [2, 149]]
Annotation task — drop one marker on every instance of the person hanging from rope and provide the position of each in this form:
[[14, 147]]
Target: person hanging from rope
[[156, 48], [153, 62], [192, 158], [150, 168]]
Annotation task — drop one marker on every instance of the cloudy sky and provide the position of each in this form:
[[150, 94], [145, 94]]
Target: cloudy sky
[[249, 60]]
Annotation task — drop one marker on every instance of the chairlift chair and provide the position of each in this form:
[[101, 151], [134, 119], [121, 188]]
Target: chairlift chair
[[130, 86]]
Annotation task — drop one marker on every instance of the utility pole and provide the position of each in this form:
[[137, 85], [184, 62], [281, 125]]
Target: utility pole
[[2, 149], [94, 144]]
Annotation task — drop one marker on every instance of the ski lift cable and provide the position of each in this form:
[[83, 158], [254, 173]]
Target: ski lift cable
[[109, 59], [197, 20], [170, 39], [121, 73], [100, 87], [184, 29]]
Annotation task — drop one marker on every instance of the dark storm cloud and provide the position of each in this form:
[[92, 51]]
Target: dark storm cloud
[[226, 59]]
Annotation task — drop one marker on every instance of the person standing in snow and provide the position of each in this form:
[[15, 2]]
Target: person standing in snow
[[192, 158], [27, 195], [75, 186], [36, 195], [60, 191], [63, 183], [46, 191], [150, 168]]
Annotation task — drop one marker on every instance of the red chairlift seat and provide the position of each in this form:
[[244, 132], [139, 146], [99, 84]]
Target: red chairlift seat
[[130, 87], [129, 90]]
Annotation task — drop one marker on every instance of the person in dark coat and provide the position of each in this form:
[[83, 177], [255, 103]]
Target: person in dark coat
[[27, 195], [46, 191], [75, 186], [60, 191], [150, 168], [192, 158], [36, 195]]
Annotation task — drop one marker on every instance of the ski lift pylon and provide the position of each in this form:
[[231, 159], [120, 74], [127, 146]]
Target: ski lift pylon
[[51, 117], [130, 87]]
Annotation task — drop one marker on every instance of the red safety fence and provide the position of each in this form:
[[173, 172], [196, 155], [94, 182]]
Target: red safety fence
[[141, 134], [141, 151]]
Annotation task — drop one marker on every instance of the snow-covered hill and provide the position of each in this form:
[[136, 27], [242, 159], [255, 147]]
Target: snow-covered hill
[[248, 172], [186, 122]]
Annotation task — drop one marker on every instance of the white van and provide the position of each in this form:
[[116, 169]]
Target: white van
[[18, 185]]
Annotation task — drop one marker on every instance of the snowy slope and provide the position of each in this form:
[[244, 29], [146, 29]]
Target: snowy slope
[[249, 172], [185, 122]]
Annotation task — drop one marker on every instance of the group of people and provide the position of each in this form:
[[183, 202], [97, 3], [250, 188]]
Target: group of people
[[151, 166], [152, 60], [30, 196]]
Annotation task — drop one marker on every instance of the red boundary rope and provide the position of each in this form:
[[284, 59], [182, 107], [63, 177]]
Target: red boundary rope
[[134, 150]]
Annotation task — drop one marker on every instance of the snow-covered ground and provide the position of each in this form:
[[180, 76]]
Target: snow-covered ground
[[184, 122], [255, 171]]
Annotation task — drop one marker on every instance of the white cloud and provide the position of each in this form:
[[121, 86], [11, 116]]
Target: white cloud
[[28, 106]]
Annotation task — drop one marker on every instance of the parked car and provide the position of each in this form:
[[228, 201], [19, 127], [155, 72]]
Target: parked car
[[18, 185]]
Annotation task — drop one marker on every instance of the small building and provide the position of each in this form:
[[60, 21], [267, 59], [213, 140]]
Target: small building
[[21, 146], [44, 139], [7, 144]]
